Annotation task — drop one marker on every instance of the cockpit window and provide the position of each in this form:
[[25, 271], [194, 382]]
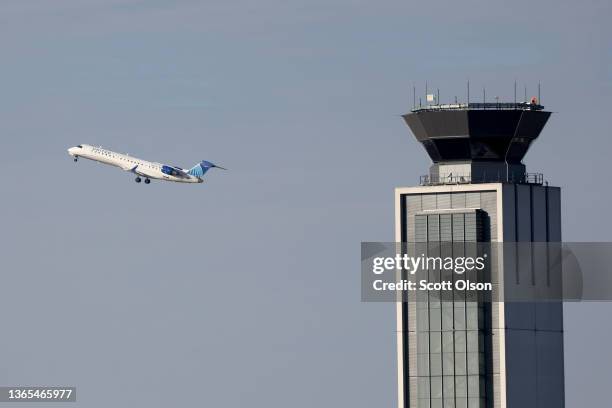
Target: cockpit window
[[80, 146]]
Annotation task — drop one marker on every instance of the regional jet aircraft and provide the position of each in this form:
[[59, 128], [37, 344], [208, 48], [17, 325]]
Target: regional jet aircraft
[[142, 168]]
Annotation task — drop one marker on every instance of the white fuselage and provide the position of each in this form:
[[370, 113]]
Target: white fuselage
[[137, 166]]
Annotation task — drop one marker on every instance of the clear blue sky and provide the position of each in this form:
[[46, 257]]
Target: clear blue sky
[[245, 290]]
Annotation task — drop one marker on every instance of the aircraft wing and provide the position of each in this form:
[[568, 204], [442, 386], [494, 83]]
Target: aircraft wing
[[127, 167], [135, 170]]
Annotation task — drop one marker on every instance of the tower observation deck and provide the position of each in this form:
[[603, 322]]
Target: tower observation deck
[[478, 142]]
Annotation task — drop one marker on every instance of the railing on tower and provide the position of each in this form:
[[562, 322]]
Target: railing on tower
[[527, 178], [479, 106]]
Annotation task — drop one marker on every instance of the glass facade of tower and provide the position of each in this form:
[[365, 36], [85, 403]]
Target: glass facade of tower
[[449, 340], [451, 366]]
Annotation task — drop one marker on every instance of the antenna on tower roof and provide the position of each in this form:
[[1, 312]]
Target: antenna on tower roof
[[468, 92], [539, 98]]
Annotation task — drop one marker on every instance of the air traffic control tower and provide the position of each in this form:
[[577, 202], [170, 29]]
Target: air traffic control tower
[[469, 354]]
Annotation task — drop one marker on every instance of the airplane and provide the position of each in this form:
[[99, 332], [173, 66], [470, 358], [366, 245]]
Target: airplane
[[143, 168]]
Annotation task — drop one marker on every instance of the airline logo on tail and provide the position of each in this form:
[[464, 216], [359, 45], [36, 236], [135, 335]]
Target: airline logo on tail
[[201, 168]]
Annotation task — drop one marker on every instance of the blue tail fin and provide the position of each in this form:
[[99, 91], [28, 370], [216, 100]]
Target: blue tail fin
[[201, 168]]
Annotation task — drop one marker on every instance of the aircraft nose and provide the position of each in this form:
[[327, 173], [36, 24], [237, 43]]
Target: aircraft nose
[[72, 151]]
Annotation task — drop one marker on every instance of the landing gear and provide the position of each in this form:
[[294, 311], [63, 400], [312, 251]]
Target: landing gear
[[147, 181], [76, 159], [138, 179]]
